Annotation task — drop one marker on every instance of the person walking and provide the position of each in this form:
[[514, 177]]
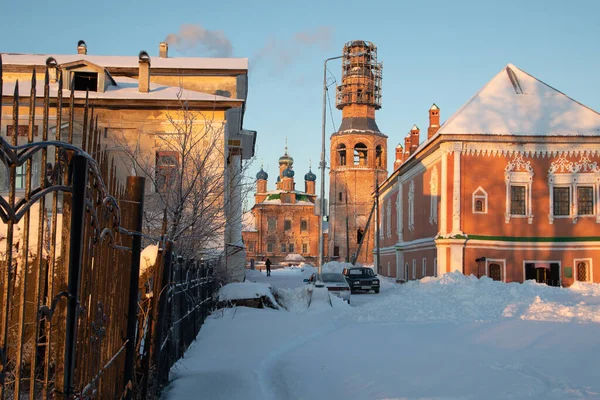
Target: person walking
[[268, 264]]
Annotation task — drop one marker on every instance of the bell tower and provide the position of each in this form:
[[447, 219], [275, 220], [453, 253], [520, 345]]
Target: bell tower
[[358, 154]]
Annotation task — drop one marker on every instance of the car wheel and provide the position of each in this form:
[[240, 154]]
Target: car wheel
[[376, 290]]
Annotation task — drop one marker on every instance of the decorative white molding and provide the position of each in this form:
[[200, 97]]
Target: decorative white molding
[[400, 212], [521, 172], [480, 194], [456, 194], [411, 205], [444, 198], [563, 172], [589, 269], [388, 218], [532, 150], [433, 190], [451, 147]]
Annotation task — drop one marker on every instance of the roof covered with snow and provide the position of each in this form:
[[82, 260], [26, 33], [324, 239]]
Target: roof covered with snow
[[129, 61], [517, 103], [248, 222]]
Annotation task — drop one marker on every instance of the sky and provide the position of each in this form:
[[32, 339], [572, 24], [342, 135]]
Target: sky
[[432, 52]]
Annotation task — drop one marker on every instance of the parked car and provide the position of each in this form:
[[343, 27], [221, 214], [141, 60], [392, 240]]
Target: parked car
[[361, 278], [335, 283]]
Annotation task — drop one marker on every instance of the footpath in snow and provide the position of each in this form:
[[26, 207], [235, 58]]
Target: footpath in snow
[[454, 337]]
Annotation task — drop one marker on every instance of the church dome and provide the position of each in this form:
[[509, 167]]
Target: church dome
[[262, 175], [310, 177], [286, 159], [288, 172]]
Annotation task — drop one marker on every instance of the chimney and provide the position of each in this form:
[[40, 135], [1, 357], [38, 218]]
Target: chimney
[[414, 138], [407, 143], [399, 157], [163, 50], [81, 47], [144, 72], [434, 121], [52, 69]]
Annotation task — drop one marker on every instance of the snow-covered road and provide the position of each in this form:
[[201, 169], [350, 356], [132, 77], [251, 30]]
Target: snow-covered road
[[451, 338]]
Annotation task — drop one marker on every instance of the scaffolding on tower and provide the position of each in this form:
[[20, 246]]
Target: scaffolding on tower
[[361, 76]]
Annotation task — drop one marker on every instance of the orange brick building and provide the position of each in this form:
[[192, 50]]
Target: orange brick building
[[282, 221], [508, 187]]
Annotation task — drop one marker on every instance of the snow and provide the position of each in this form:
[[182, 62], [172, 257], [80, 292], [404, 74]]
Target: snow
[[129, 61], [516, 103], [245, 290], [148, 257], [438, 338]]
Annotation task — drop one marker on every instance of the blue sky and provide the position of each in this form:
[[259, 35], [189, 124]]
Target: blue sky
[[433, 51]]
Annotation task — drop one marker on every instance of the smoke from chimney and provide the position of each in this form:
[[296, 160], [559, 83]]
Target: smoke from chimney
[[195, 39]]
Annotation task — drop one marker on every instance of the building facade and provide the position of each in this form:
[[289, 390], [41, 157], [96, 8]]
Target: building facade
[[282, 222], [144, 106], [508, 187], [358, 154]]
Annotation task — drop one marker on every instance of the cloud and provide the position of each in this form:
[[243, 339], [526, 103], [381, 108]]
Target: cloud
[[194, 39], [277, 54]]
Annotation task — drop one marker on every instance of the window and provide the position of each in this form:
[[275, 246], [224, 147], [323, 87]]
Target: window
[[291, 247], [433, 201], [303, 225], [378, 156], [359, 235], [424, 267], [166, 169], [251, 247], [20, 173], [480, 201], [585, 200], [271, 224], [85, 81], [336, 251], [360, 154], [518, 176], [414, 269], [304, 248], [287, 225], [562, 203], [341, 150], [583, 270], [495, 271], [270, 247], [411, 206], [574, 189], [340, 196], [283, 247], [517, 200]]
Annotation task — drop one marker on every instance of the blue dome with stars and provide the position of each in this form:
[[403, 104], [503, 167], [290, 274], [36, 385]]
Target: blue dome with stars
[[262, 175], [310, 177], [288, 173]]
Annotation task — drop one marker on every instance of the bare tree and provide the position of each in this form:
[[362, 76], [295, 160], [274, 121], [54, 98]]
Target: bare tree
[[190, 179]]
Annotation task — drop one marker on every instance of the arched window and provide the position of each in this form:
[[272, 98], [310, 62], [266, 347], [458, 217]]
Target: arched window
[[379, 156], [360, 154], [341, 149]]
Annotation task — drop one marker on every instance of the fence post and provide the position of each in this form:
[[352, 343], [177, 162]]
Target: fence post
[[163, 299], [79, 166], [135, 195]]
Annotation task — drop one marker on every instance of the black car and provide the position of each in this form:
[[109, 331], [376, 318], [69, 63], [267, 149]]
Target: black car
[[361, 278]]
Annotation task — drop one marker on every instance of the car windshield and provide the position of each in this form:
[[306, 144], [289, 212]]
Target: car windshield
[[332, 278], [366, 272]]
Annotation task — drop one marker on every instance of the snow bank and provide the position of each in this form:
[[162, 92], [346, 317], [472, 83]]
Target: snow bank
[[246, 290], [455, 297]]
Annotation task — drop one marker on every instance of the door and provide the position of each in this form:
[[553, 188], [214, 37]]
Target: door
[[530, 271], [554, 275]]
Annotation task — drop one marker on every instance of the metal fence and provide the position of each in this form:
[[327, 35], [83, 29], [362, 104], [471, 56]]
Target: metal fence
[[73, 320]]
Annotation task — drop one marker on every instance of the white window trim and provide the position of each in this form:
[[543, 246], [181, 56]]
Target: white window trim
[[519, 173], [414, 268], [424, 267], [501, 261], [411, 205], [590, 269], [480, 194], [564, 173]]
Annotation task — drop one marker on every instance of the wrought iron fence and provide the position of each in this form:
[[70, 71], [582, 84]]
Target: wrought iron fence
[[73, 321]]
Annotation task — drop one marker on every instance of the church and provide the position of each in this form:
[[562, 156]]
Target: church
[[282, 225], [508, 187]]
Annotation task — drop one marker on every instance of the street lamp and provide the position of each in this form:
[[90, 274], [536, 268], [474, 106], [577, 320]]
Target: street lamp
[[323, 163]]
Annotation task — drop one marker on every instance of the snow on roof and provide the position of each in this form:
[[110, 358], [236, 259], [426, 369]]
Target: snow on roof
[[516, 103], [129, 61], [434, 107], [248, 222], [127, 88], [414, 128]]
